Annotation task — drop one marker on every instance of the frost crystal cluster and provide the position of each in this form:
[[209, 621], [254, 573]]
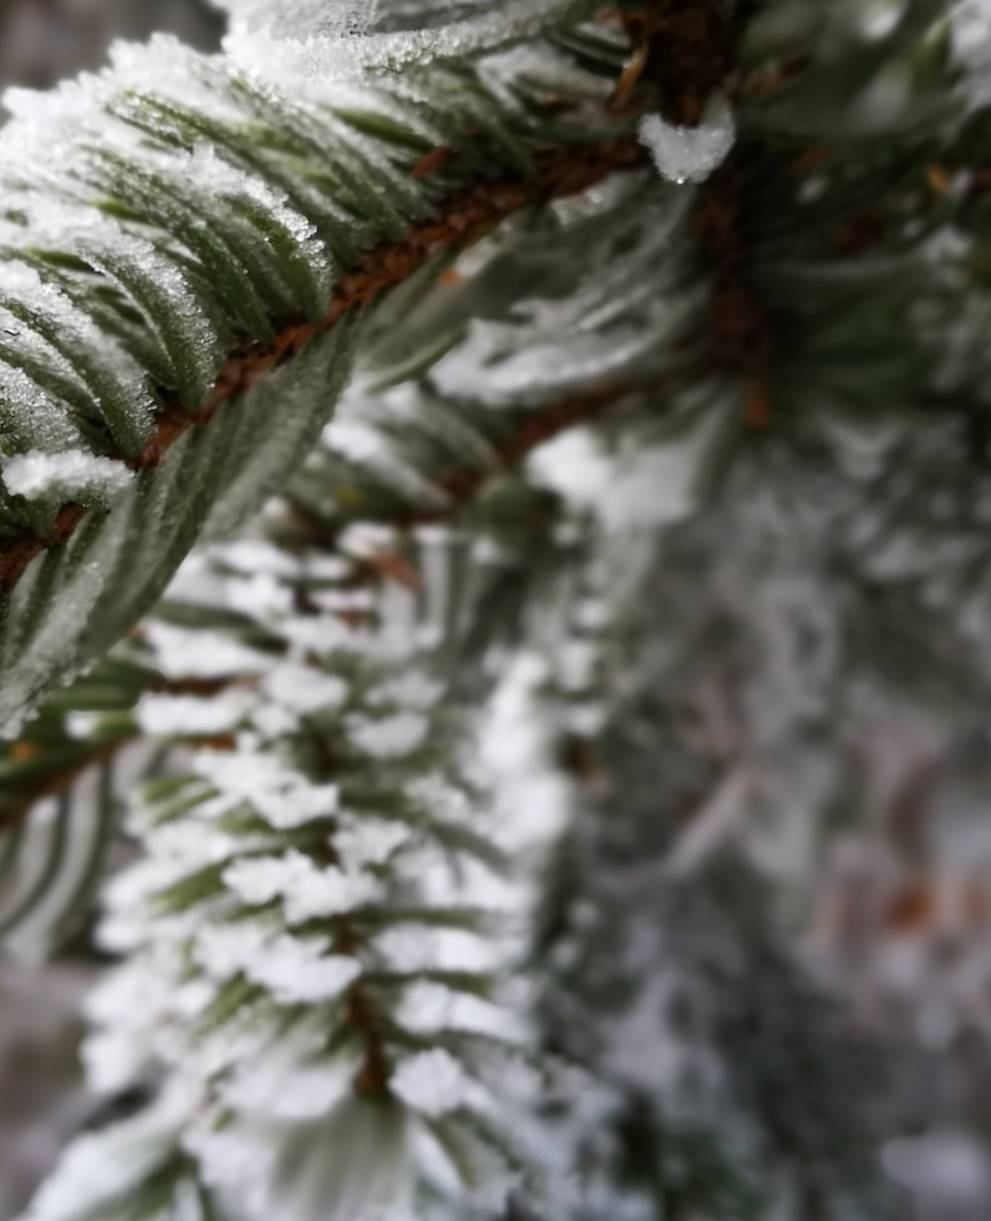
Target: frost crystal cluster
[[690, 154], [494, 610]]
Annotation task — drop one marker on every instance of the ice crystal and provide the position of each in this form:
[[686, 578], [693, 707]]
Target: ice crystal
[[391, 737], [304, 689], [433, 1083], [183, 654], [316, 41], [67, 475], [297, 972], [188, 715], [691, 154]]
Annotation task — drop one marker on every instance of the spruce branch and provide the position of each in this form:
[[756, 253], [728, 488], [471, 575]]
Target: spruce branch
[[465, 219], [313, 216]]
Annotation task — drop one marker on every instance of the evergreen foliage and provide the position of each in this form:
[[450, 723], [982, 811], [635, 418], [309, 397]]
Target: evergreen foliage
[[472, 478]]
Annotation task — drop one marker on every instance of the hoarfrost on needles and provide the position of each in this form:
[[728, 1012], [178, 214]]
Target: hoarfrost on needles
[[296, 972], [307, 892], [433, 1083], [190, 715], [66, 475], [392, 737]]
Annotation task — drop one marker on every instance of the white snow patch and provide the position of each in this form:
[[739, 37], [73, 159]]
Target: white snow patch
[[192, 716], [296, 972], [691, 154], [389, 738], [305, 689], [71, 473], [433, 1083]]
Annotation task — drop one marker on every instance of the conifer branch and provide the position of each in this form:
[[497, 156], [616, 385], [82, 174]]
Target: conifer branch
[[466, 218]]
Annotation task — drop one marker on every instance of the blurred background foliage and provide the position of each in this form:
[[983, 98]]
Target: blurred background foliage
[[44, 40]]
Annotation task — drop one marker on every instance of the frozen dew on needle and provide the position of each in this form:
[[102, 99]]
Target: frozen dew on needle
[[691, 154]]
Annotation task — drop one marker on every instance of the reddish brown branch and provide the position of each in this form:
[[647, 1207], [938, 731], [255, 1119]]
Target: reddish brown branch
[[465, 218], [16, 555]]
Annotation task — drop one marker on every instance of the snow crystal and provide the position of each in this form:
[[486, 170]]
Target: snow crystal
[[640, 487], [264, 878], [192, 716], [283, 797], [433, 1083], [409, 690], [327, 567], [224, 950], [305, 690], [272, 722], [260, 597], [296, 972], [311, 40], [277, 1088], [306, 18], [344, 601], [369, 842], [307, 892], [389, 738], [691, 154], [415, 948], [428, 1008], [298, 805], [255, 556], [323, 634], [247, 774], [443, 801], [182, 653], [187, 845], [330, 893], [364, 540], [71, 474]]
